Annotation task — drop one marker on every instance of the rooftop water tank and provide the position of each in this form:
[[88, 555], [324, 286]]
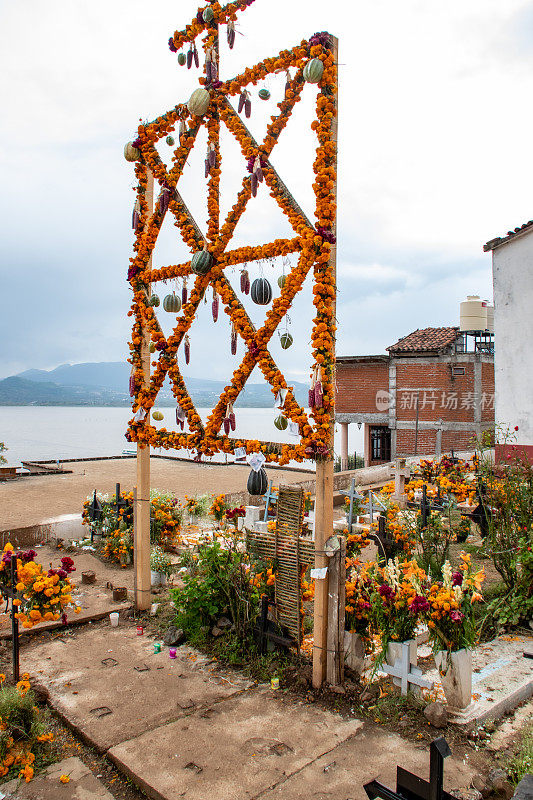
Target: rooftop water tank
[[473, 314], [490, 318]]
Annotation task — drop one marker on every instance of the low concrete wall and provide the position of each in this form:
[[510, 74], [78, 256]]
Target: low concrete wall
[[68, 526]]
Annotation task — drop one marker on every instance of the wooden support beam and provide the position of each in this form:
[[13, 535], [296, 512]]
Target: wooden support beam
[[324, 476], [141, 556]]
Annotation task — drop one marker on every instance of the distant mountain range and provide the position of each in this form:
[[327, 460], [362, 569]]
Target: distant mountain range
[[106, 384]]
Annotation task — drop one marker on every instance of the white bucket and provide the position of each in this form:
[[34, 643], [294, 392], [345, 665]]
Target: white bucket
[[113, 617]]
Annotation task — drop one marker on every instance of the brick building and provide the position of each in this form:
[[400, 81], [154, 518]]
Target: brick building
[[429, 395]]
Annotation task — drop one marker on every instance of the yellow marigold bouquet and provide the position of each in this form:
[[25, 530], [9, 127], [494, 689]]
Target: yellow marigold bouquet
[[43, 596], [218, 507], [450, 613], [22, 733]]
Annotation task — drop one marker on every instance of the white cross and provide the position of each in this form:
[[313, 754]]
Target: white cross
[[405, 672]]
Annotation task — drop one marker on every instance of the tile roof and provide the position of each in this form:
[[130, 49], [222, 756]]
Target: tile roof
[[425, 340], [510, 235]]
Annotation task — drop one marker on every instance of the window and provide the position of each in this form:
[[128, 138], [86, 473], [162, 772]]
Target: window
[[380, 443]]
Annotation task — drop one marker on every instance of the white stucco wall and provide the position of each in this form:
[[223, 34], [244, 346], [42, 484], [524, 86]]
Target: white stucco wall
[[513, 335]]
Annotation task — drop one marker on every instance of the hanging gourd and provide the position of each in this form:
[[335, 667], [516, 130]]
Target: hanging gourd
[[131, 153], [154, 300], [182, 58], [261, 292], [245, 281], [264, 94], [202, 262], [282, 280], [172, 303], [152, 347], [257, 482], [199, 102], [208, 15], [313, 70], [170, 141], [285, 340], [281, 422], [157, 415]]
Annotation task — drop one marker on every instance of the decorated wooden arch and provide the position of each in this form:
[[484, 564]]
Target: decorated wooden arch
[[313, 241]]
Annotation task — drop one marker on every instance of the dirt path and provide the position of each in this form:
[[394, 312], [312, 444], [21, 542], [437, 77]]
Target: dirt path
[[32, 500]]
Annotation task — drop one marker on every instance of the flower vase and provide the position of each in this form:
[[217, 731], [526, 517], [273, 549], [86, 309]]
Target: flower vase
[[394, 652], [455, 671], [354, 652]]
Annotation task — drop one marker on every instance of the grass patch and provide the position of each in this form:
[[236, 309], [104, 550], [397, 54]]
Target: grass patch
[[522, 763]]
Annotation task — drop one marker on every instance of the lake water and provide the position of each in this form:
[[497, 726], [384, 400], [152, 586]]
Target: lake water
[[53, 432]]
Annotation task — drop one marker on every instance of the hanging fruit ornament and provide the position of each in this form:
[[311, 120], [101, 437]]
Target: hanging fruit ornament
[[182, 131], [211, 68], [282, 280], [192, 55], [208, 15], [157, 415], [257, 175], [264, 94], [164, 199], [199, 102], [180, 417], [230, 34], [285, 340], [315, 389], [202, 261], [233, 340], [214, 305], [288, 80], [246, 103], [229, 419], [313, 70], [210, 159], [154, 300], [184, 291], [257, 482], [182, 59], [172, 303], [136, 215], [187, 348], [245, 281], [132, 382], [261, 292], [170, 141], [131, 153], [151, 347], [281, 422]]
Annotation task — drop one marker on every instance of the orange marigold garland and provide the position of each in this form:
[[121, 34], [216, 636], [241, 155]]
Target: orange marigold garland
[[313, 243]]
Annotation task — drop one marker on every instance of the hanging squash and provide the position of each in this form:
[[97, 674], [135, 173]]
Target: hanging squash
[[313, 70], [264, 94], [202, 262], [208, 15], [261, 292], [257, 482], [199, 102], [157, 415], [170, 141], [285, 340], [152, 347], [281, 423], [172, 303], [154, 300], [282, 280], [131, 153], [182, 58]]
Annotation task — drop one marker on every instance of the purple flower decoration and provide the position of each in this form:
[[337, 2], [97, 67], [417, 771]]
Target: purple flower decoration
[[386, 591], [457, 579], [137, 143], [171, 46], [322, 38], [419, 605], [127, 436], [132, 271], [456, 616], [326, 234], [161, 346]]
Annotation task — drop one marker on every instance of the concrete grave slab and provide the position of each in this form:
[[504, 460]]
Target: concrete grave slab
[[234, 751], [110, 685], [371, 753], [502, 678], [83, 785]]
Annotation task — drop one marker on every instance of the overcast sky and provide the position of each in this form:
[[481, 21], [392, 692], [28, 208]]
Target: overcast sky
[[434, 142]]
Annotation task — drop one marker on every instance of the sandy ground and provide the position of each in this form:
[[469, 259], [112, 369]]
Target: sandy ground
[[33, 500]]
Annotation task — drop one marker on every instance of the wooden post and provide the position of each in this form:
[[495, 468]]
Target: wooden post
[[141, 538], [324, 472], [336, 613]]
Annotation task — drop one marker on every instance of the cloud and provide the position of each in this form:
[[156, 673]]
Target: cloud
[[432, 124]]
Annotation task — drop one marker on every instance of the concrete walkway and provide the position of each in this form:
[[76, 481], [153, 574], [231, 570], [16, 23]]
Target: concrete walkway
[[185, 727], [83, 785]]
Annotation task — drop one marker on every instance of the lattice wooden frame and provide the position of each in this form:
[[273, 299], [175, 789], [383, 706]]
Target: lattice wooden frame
[[314, 243]]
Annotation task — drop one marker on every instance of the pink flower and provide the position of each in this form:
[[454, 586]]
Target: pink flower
[[456, 616], [457, 579]]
